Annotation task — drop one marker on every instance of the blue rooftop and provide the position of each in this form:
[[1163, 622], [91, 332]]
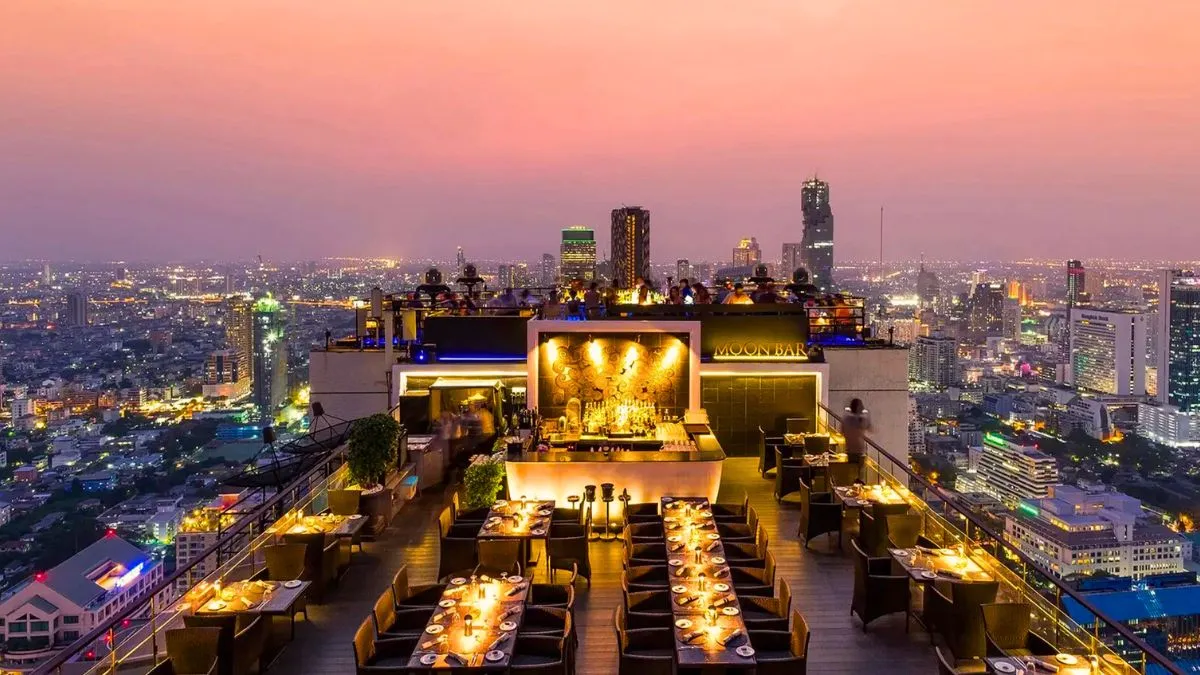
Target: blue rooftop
[[1142, 604]]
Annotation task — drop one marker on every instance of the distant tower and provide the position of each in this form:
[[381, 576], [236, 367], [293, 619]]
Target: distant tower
[[229, 280], [577, 254], [747, 253], [47, 277], [1178, 340], [548, 273], [270, 358], [239, 336], [1076, 286], [683, 269], [793, 257], [460, 261], [630, 245], [77, 309], [818, 232]]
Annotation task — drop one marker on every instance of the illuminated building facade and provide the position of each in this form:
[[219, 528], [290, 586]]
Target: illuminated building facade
[[933, 360], [793, 257], [54, 608], [577, 254], [270, 357], [1179, 335], [1073, 531], [1108, 351], [1008, 470], [987, 310], [683, 269], [747, 253], [630, 245], [1076, 283], [928, 287], [548, 272], [239, 333], [818, 232], [225, 375], [77, 309]]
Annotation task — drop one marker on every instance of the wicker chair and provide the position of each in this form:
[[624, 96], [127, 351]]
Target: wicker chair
[[644, 651], [561, 596], [193, 651], [819, 515], [877, 592], [239, 647], [381, 657], [390, 623], [473, 515], [788, 475], [740, 531], [766, 454], [457, 554], [1007, 627], [843, 473], [645, 532], [959, 618], [768, 613], [645, 512], [948, 666], [320, 567], [645, 578], [407, 596], [571, 554], [755, 580], [732, 513], [644, 555], [500, 555], [535, 654], [344, 502], [781, 652], [904, 531], [447, 527]]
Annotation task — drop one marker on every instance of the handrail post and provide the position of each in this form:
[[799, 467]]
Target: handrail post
[[154, 627]]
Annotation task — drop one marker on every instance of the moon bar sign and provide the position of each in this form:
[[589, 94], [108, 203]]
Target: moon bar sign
[[758, 350]]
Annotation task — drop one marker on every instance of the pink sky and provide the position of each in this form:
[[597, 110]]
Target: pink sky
[[297, 129]]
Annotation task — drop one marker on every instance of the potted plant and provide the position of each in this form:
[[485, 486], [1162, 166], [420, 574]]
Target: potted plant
[[372, 454], [483, 480]]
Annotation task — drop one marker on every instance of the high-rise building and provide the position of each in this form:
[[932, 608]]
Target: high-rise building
[[793, 257], [1179, 335], [818, 232], [228, 281], [933, 360], [986, 311], [239, 334], [77, 309], [460, 262], [747, 253], [683, 269], [270, 358], [47, 277], [1108, 351], [1009, 470], [577, 254], [630, 245], [225, 375], [548, 271], [506, 276], [1073, 531], [1076, 283], [928, 286]]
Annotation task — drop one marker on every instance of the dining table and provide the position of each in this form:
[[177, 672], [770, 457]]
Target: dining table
[[1058, 664], [866, 495], [925, 565], [709, 629], [474, 626], [269, 598], [518, 519], [328, 523]]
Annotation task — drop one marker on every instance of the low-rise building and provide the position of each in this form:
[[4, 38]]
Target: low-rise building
[[1074, 531], [1009, 469]]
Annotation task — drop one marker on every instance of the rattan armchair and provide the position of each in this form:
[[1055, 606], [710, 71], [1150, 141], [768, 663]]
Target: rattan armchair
[[644, 512], [819, 515], [535, 654], [570, 554], [561, 596], [904, 531], [381, 657], [447, 527], [768, 613], [192, 651], [643, 651], [950, 666], [1007, 627], [755, 580], [407, 596], [731, 513], [962, 623], [877, 592], [781, 652], [344, 502], [456, 554], [500, 555], [477, 515], [788, 475], [390, 623]]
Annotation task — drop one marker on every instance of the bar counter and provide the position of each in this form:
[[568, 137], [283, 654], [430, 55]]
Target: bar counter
[[648, 474]]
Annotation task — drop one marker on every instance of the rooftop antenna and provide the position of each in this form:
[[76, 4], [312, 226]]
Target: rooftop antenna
[[881, 243]]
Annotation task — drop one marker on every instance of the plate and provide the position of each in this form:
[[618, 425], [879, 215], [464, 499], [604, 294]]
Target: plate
[[545, 512], [1066, 659], [683, 624], [447, 603], [434, 628], [354, 516], [729, 610], [679, 589], [674, 538], [458, 581], [537, 533], [745, 650], [1004, 667], [926, 574], [215, 606], [508, 625], [500, 503], [668, 500], [294, 583], [428, 659], [674, 562], [713, 535], [902, 552], [494, 519], [706, 514], [718, 560], [494, 655], [721, 588], [864, 502], [514, 579]]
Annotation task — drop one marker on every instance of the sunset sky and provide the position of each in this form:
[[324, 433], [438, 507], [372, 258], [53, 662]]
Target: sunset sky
[[186, 129]]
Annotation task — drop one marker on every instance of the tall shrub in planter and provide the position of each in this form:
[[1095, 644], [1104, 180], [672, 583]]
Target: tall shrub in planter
[[373, 449], [483, 480]]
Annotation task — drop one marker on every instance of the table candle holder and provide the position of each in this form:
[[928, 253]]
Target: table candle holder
[[468, 620]]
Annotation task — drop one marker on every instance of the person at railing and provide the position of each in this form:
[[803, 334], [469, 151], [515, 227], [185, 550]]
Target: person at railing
[[687, 296], [674, 297], [701, 294], [855, 426], [767, 294], [739, 296], [592, 301]]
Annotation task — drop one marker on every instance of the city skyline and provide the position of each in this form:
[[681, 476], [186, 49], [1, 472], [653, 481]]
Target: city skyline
[[1012, 145]]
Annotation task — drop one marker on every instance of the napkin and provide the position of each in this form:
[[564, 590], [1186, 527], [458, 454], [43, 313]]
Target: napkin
[[725, 640]]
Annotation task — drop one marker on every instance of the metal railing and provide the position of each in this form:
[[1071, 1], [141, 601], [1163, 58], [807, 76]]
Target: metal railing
[[1021, 578], [132, 637]]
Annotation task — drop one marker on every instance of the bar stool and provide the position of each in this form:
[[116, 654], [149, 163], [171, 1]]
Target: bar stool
[[589, 496], [606, 495], [625, 499]]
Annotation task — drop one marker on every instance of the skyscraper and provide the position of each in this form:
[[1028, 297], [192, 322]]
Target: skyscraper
[[818, 232], [1076, 286], [239, 335], [986, 318], [506, 276], [77, 309], [747, 253], [548, 272], [460, 262], [630, 245], [1108, 351], [928, 286], [270, 358], [577, 254], [793, 257], [1179, 333], [933, 361], [683, 269], [47, 277]]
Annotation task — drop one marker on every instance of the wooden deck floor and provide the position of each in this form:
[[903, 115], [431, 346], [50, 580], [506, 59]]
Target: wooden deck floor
[[821, 583]]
